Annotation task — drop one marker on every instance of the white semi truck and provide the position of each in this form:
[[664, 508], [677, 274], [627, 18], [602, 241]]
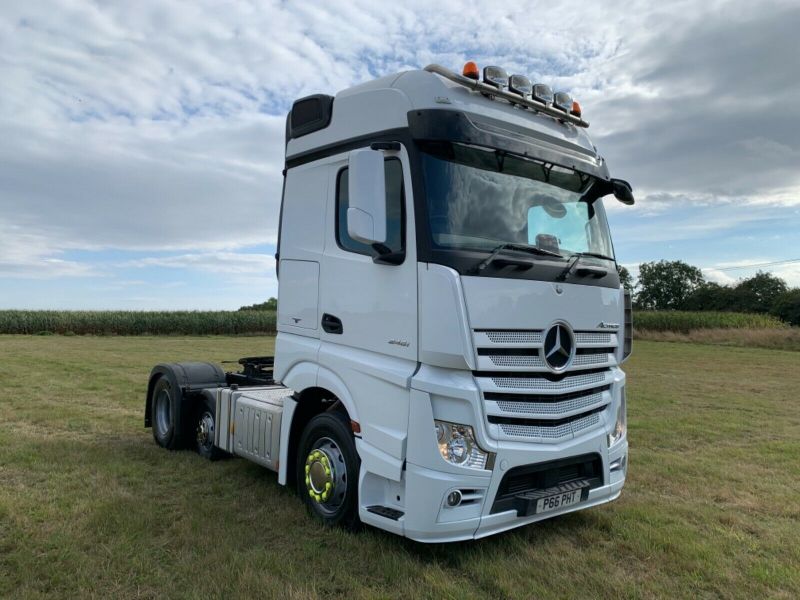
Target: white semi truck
[[450, 320]]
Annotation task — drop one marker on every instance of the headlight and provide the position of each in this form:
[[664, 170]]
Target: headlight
[[458, 446], [621, 426]]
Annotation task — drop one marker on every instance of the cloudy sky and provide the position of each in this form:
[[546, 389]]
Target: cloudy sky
[[141, 142]]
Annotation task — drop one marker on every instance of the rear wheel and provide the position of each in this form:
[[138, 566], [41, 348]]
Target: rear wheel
[[327, 470], [165, 413], [204, 431]]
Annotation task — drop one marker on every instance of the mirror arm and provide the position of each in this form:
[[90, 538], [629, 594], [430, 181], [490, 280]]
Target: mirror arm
[[384, 256]]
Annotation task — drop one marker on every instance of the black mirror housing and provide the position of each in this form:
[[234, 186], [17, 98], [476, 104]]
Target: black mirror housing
[[622, 191]]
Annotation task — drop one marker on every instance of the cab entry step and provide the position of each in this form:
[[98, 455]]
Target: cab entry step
[[385, 511]]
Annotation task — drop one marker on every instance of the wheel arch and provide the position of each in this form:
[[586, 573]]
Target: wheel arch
[[311, 401], [186, 378]]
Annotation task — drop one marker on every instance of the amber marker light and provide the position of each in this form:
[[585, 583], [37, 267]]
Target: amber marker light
[[471, 70]]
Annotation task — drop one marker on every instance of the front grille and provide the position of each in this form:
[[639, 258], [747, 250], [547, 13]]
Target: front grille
[[524, 399]]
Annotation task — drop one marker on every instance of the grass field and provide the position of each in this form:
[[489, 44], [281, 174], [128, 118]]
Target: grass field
[[89, 506]]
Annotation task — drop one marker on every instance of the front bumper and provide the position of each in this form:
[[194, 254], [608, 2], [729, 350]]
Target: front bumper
[[429, 519]]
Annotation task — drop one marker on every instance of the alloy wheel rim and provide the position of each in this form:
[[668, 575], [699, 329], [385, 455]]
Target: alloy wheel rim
[[205, 430], [163, 410], [326, 475]]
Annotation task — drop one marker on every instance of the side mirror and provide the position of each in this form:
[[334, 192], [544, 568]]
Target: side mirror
[[366, 214], [622, 191]]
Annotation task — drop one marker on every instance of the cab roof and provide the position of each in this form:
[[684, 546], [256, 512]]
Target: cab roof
[[384, 104]]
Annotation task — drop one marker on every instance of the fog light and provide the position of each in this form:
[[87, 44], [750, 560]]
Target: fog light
[[454, 498], [619, 464]]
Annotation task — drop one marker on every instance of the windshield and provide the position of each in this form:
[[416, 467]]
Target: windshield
[[479, 198]]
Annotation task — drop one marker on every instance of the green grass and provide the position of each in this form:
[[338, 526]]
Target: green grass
[[90, 507], [685, 321], [113, 322]]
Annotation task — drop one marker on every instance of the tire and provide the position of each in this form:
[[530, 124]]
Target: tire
[[205, 423], [164, 406], [327, 470]]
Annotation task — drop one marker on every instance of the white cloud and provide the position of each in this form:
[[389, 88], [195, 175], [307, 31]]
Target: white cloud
[[235, 263], [718, 276], [154, 126], [27, 255]]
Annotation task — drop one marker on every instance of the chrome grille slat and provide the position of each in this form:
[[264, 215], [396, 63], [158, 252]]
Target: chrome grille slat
[[540, 383], [536, 431], [557, 432], [517, 361], [593, 337], [514, 337], [582, 360], [555, 409]]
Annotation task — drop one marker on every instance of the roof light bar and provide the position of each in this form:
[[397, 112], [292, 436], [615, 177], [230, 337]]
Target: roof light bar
[[491, 90], [543, 93], [519, 84], [495, 76], [563, 101]]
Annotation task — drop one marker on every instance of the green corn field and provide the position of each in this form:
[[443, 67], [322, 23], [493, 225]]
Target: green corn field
[[263, 321], [684, 321], [137, 322]]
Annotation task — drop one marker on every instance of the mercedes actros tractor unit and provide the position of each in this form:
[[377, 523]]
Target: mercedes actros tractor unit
[[450, 323]]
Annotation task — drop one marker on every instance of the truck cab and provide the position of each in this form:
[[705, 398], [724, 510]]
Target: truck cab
[[449, 310]]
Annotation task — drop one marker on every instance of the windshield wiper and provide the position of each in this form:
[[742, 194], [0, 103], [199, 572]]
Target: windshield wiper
[[596, 271], [519, 247]]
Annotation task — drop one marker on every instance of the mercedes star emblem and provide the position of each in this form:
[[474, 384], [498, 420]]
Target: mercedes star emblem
[[559, 347]]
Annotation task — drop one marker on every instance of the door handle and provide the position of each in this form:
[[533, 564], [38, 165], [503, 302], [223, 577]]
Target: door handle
[[331, 324]]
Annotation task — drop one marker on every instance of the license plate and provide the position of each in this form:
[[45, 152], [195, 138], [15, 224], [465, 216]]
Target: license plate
[[559, 500]]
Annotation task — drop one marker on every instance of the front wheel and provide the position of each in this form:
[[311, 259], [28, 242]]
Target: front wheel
[[327, 470]]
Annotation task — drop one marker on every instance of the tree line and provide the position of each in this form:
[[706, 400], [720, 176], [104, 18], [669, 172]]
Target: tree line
[[676, 285]]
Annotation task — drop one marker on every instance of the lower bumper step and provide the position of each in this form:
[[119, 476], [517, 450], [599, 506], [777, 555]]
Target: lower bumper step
[[385, 511], [526, 503]]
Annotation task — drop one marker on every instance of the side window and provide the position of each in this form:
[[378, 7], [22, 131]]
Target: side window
[[395, 213]]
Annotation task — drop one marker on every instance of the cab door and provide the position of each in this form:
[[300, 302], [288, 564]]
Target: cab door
[[366, 306]]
